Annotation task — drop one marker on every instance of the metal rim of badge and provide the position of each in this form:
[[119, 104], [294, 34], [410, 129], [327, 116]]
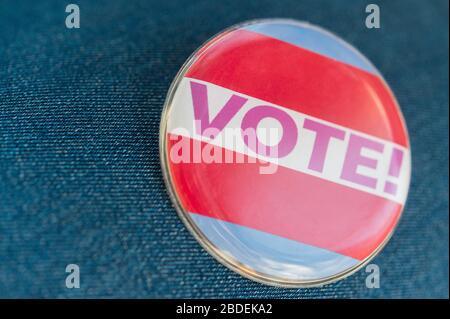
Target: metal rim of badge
[[227, 259]]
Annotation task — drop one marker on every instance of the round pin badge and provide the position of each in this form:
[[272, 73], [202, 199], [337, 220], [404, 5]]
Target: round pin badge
[[285, 153]]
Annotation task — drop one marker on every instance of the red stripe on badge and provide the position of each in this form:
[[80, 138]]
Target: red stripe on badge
[[288, 203], [307, 82]]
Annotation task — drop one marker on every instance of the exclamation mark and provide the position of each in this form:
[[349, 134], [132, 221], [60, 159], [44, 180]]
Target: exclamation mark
[[394, 171]]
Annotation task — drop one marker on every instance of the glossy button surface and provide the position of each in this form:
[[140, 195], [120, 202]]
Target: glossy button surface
[[285, 153]]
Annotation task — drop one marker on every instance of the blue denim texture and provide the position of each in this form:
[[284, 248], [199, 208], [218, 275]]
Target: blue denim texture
[[80, 178]]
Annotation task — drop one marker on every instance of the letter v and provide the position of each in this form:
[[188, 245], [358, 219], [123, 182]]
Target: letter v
[[201, 111]]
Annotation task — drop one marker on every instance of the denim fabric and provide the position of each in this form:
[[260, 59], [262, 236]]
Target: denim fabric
[[80, 178]]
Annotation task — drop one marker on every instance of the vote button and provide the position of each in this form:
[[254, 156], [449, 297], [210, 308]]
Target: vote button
[[285, 153]]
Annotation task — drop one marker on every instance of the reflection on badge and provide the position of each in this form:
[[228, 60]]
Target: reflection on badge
[[285, 153]]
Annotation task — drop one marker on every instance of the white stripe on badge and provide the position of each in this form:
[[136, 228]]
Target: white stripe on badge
[[182, 122]]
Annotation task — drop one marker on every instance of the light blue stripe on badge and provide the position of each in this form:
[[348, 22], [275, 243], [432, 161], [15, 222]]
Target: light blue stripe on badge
[[313, 39], [270, 254]]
